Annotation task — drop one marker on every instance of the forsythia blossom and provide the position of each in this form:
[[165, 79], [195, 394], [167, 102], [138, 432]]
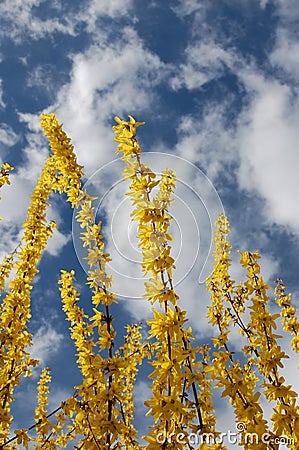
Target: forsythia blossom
[[259, 372], [176, 372], [100, 413]]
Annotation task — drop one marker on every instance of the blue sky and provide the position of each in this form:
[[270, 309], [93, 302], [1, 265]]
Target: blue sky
[[216, 83]]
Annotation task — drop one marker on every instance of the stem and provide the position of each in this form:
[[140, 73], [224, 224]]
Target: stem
[[93, 436]]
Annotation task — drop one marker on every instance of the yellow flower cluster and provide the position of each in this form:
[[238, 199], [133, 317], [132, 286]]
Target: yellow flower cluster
[[100, 413], [67, 173], [104, 399], [288, 313], [4, 172], [40, 418], [15, 361], [176, 371], [60, 173], [6, 267], [262, 354], [101, 401]]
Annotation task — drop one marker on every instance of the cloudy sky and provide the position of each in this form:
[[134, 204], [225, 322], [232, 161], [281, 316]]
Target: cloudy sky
[[216, 83]]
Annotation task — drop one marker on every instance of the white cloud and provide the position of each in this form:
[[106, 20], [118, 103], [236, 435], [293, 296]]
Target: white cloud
[[25, 17], [102, 8], [108, 79], [142, 392], [16, 196], [15, 199], [45, 343], [265, 143], [8, 137], [204, 61], [187, 7], [2, 104], [206, 140], [268, 140], [56, 243], [286, 54], [42, 77], [21, 18], [264, 3], [287, 10], [115, 8]]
